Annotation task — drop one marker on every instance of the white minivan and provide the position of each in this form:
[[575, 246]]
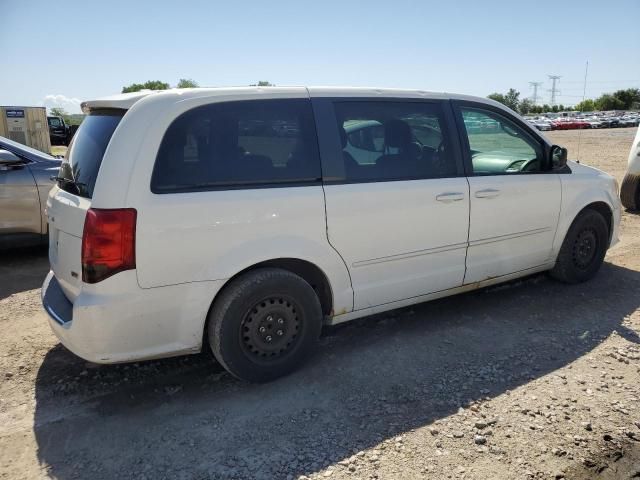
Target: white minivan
[[247, 218], [630, 189]]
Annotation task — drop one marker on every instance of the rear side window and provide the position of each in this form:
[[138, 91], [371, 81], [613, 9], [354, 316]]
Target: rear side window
[[394, 141], [80, 167], [245, 144]]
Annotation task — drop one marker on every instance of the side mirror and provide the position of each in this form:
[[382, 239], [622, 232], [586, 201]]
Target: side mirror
[[558, 157], [8, 159]]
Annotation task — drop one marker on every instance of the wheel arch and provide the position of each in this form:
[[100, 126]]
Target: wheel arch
[[305, 269], [600, 206], [603, 209], [577, 200]]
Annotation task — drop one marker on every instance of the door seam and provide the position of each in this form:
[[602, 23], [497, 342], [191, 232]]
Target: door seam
[[466, 253]]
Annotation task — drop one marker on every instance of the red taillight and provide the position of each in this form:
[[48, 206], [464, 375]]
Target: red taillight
[[108, 243]]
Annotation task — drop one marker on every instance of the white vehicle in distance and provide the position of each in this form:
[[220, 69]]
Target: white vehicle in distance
[[540, 123], [630, 189], [242, 219]]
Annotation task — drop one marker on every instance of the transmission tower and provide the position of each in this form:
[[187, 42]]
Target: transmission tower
[[535, 86], [554, 90]]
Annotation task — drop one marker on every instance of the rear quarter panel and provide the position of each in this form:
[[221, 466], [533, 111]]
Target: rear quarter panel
[[203, 236]]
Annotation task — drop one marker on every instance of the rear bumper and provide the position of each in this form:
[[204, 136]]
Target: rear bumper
[[57, 306], [120, 322]]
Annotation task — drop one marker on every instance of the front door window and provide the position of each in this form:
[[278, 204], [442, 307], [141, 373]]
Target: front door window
[[499, 146]]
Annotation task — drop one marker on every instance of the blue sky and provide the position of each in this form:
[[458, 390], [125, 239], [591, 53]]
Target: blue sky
[[57, 53]]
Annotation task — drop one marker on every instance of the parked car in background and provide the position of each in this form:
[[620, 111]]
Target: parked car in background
[[569, 123], [174, 225], [542, 125], [72, 131], [580, 123], [576, 120], [613, 122], [628, 121], [25, 182], [630, 189], [58, 130]]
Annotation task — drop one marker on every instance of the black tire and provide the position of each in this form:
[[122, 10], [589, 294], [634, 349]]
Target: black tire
[[630, 192], [264, 324], [583, 248]]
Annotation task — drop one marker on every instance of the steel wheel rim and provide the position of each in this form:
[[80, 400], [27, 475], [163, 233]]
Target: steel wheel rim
[[270, 329], [585, 248]]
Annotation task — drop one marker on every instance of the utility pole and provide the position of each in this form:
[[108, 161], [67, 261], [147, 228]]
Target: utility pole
[[535, 86], [554, 91], [584, 89]]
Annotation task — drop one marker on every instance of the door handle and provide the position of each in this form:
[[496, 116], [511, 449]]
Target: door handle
[[450, 197], [487, 193]]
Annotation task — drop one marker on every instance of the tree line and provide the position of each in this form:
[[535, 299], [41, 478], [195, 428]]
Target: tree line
[[626, 99], [619, 100], [182, 83]]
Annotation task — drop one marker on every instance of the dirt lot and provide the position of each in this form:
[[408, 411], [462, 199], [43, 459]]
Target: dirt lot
[[533, 379]]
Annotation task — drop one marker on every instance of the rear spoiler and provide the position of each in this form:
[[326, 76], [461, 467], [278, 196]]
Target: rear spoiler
[[123, 101]]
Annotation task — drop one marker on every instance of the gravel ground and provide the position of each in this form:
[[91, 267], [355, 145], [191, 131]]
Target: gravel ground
[[533, 379]]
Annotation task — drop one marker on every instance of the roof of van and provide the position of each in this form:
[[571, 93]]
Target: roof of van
[[127, 100]]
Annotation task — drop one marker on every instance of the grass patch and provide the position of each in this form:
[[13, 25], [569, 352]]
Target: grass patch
[[58, 150]]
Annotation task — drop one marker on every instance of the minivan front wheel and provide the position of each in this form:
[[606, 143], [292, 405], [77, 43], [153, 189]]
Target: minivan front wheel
[[583, 248], [264, 324]]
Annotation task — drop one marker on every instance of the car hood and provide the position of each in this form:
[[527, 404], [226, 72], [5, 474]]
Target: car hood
[[581, 168]]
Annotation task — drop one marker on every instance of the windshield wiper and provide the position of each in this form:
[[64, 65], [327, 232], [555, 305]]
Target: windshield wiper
[[68, 181]]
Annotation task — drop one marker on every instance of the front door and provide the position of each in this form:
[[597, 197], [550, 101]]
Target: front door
[[398, 204], [515, 200], [19, 201]]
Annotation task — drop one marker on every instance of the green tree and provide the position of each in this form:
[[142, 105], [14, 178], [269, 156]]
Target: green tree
[[263, 83], [69, 118], [609, 102], [587, 105], [546, 108], [554, 109], [148, 85], [526, 106], [58, 112], [511, 99], [187, 83], [628, 97]]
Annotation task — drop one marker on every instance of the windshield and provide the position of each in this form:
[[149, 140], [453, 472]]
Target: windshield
[[80, 167]]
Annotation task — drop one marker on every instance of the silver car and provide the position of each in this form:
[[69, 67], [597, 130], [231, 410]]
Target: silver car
[[25, 181]]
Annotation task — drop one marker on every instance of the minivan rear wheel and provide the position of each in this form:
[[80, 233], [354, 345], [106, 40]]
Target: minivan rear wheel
[[264, 324], [630, 192], [583, 248]]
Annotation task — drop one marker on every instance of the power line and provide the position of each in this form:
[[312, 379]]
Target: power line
[[554, 90], [535, 86], [602, 81]]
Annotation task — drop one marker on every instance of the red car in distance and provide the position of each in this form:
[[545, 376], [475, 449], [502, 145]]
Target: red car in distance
[[569, 124]]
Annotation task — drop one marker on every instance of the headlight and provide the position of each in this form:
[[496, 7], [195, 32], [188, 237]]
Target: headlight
[[616, 186]]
